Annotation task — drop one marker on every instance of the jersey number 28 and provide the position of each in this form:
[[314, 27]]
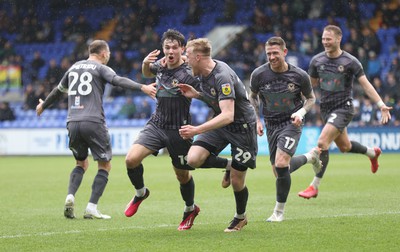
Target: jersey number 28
[[84, 87]]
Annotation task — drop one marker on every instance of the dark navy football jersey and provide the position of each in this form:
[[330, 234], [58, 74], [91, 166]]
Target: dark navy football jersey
[[280, 93], [223, 83], [336, 76], [85, 83], [172, 110]]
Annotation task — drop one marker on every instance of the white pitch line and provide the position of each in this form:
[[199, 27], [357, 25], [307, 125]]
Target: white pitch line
[[170, 225]]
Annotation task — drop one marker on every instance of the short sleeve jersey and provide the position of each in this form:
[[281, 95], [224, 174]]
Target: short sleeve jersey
[[223, 83], [335, 77], [85, 83], [280, 93], [172, 110]]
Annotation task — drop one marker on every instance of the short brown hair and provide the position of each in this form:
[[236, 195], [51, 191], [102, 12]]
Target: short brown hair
[[173, 35], [276, 41], [335, 29], [97, 46], [200, 45]]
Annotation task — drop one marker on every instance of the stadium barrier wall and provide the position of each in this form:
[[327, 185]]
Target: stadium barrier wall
[[54, 141]]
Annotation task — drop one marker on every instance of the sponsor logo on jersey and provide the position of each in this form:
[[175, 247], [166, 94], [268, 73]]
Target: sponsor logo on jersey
[[226, 89]]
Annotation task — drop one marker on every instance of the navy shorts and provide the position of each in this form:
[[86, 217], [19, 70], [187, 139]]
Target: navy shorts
[[243, 144], [89, 135], [285, 138], [155, 138]]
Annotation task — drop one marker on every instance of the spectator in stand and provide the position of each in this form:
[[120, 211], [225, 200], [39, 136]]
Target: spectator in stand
[[6, 50], [395, 67], [362, 57], [353, 16], [119, 62], [145, 110], [54, 73], [27, 31], [121, 65], [80, 50], [379, 87], [367, 113], [128, 110], [370, 40], [392, 86], [45, 33], [229, 12], [67, 29], [82, 27], [30, 101], [305, 46], [36, 64], [316, 9], [148, 41], [390, 13], [297, 9], [374, 65], [355, 38], [6, 113], [194, 13], [32, 95], [261, 22]]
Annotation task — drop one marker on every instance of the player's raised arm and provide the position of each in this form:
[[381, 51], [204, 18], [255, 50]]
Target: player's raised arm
[[126, 83], [147, 62]]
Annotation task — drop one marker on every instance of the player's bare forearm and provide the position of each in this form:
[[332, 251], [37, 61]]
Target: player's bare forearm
[[255, 102], [309, 102]]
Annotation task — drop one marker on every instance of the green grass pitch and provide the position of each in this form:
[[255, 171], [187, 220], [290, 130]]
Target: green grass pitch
[[355, 210]]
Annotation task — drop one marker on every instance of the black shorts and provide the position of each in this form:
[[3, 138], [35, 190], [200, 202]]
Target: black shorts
[[285, 138], [340, 117], [243, 145], [89, 135], [155, 138]]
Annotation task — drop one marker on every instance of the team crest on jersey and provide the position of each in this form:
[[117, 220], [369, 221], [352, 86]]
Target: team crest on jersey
[[175, 82], [213, 93], [291, 87], [340, 68], [322, 67], [226, 89]]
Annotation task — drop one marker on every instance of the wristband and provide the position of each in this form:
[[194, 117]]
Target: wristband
[[380, 104], [301, 112]]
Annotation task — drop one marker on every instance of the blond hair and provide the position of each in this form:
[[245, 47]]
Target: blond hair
[[335, 29], [200, 45]]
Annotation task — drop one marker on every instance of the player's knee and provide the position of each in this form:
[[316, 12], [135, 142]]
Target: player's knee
[[183, 178], [194, 161], [344, 148], [83, 163], [131, 160]]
